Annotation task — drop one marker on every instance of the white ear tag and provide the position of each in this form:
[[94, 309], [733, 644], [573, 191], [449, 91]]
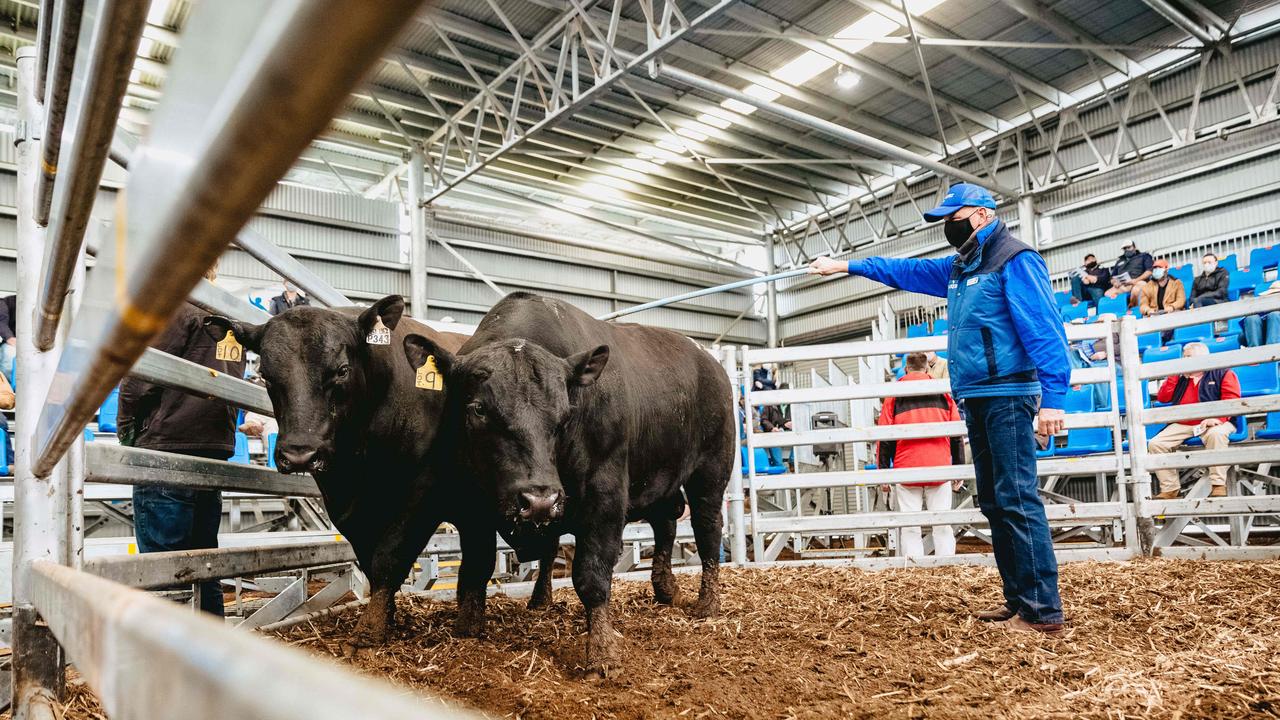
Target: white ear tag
[[428, 377], [379, 335]]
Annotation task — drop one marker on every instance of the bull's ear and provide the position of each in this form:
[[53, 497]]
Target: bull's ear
[[390, 309], [418, 348], [586, 366], [249, 335]]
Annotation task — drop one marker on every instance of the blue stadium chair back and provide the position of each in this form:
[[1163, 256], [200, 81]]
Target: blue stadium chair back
[[1047, 452], [1149, 340], [4, 452], [918, 330], [1063, 298], [1241, 433], [1230, 262], [1202, 332], [107, 414], [1079, 401], [271, 451], [1260, 379], [1225, 343], [1185, 274], [88, 435], [242, 449], [1164, 352], [764, 467], [1075, 312], [1117, 306], [1086, 441], [1242, 280], [1263, 258], [1270, 431], [940, 326], [1235, 326], [1106, 405]]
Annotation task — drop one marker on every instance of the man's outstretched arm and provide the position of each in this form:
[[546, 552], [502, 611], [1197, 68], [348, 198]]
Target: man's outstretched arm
[[928, 276]]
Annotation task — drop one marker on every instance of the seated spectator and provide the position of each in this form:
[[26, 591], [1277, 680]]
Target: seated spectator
[[290, 298], [937, 367], [1089, 281], [8, 331], [760, 380], [1262, 329], [1163, 294], [775, 418], [1196, 387], [1130, 273], [923, 452], [259, 426], [8, 401], [1210, 287]]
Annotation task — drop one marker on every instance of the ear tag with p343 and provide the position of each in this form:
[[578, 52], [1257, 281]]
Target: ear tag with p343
[[379, 335]]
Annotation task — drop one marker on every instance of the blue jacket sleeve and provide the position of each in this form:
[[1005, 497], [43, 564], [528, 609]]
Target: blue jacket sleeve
[[927, 276], [1039, 325]]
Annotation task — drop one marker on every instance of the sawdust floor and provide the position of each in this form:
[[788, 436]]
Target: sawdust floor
[[1150, 638]]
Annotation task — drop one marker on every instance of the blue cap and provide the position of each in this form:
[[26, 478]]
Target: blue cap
[[961, 195]]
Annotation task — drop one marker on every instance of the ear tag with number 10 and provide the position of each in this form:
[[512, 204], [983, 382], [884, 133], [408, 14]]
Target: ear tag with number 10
[[229, 349], [379, 335], [428, 377]]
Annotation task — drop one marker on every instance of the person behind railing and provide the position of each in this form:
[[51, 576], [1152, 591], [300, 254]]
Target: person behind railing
[[760, 380], [1089, 281], [290, 298], [1263, 328], [1130, 273], [1210, 286], [1008, 354], [159, 418], [1196, 387], [8, 401], [937, 368], [921, 452], [1164, 294], [8, 331]]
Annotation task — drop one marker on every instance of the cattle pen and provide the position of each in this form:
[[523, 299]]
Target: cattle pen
[[1170, 602]]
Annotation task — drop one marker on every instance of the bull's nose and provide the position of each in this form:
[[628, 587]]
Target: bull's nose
[[295, 459], [540, 505]]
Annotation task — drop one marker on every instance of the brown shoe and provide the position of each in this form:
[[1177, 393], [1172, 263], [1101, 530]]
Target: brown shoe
[[1170, 495], [1017, 624], [1218, 491], [999, 614]]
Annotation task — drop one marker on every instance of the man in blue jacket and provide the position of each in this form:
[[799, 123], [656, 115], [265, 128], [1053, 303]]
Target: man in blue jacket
[[1008, 358]]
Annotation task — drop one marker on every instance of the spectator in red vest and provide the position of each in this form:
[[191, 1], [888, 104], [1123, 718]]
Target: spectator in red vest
[[923, 452], [1196, 387]]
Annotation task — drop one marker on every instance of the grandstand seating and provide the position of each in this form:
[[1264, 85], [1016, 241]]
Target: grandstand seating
[[763, 466], [1185, 274], [271, 451], [1075, 312], [1224, 343], [918, 330], [1193, 333], [1263, 258], [108, 412], [1079, 401], [1240, 435], [1241, 281], [939, 327], [1260, 379], [1063, 298], [242, 449], [1164, 352], [4, 452], [1270, 431], [1086, 441], [1117, 306], [1229, 262]]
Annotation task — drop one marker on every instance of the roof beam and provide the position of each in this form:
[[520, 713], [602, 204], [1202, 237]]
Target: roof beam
[[1180, 20], [1067, 30]]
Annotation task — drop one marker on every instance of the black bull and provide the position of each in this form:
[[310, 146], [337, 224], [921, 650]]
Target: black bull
[[349, 414], [572, 425]]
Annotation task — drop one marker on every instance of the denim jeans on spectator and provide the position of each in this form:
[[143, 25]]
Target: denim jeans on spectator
[[1004, 459], [775, 456], [1254, 325], [180, 519], [1087, 293]]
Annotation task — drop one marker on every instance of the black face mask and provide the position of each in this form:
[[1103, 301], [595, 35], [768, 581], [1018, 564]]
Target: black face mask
[[1091, 265], [1130, 252], [957, 232]]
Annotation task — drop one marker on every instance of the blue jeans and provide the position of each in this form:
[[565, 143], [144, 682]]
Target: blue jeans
[[166, 519], [1087, 293], [1004, 459], [1253, 329], [775, 456]]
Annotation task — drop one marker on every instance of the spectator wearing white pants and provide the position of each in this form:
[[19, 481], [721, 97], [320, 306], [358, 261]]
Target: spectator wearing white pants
[[921, 452], [1196, 387]]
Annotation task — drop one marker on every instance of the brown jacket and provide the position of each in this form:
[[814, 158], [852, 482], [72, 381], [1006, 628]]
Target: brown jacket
[[1175, 296], [167, 419]]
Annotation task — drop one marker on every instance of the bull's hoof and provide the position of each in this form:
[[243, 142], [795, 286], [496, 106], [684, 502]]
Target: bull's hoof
[[602, 655], [539, 600], [705, 608], [357, 646], [468, 627], [666, 593]]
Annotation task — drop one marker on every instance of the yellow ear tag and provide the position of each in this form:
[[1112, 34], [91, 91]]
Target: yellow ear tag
[[229, 349], [428, 377]]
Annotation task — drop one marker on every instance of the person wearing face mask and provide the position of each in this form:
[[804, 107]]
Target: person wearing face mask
[[1089, 282], [1210, 287], [1130, 273], [1007, 352], [1164, 294]]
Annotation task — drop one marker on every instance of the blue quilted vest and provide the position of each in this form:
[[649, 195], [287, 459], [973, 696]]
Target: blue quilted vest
[[985, 356]]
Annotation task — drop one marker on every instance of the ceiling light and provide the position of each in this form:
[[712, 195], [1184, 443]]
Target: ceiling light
[[738, 106], [847, 79], [691, 134], [803, 68], [671, 145], [715, 120], [762, 92]]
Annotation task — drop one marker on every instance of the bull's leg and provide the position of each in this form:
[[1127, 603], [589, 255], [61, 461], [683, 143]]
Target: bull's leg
[[479, 551], [541, 596], [663, 522], [599, 542], [386, 569], [705, 491]]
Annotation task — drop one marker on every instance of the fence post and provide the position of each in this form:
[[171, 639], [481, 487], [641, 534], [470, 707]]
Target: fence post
[[1140, 479], [40, 503], [737, 528], [1123, 486], [748, 426]]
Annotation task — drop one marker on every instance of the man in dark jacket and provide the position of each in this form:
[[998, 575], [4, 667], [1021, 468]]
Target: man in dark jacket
[[159, 418], [1130, 273], [1210, 287], [1090, 281], [8, 331], [290, 298]]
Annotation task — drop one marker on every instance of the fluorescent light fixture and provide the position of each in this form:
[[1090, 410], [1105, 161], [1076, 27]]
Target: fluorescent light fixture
[[671, 145], [715, 121], [618, 171], [738, 106], [871, 25], [691, 134], [640, 165], [574, 201], [847, 79], [803, 68], [762, 92], [158, 13]]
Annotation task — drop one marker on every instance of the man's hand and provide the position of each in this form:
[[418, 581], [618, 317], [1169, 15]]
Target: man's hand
[[1089, 279], [828, 266], [957, 485], [1050, 421], [1210, 422], [252, 428], [12, 341]]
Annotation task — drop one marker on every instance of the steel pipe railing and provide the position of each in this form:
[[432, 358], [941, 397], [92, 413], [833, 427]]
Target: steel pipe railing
[[44, 42], [161, 368], [99, 82], [183, 567], [53, 89], [705, 291], [272, 94], [138, 466], [211, 298]]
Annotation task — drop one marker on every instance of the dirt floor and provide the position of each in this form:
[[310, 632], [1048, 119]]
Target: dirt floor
[[1159, 639]]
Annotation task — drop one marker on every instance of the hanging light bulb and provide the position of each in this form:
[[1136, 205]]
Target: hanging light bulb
[[847, 79]]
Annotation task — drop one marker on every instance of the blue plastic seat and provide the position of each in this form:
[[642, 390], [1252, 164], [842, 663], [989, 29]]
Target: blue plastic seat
[[1079, 401], [763, 467], [1164, 352], [1117, 306], [108, 412], [1075, 312], [1260, 379], [1047, 452], [1263, 258], [1149, 340], [1086, 441], [242, 449], [1063, 298], [271, 451], [1224, 344], [4, 452], [1242, 280], [1229, 262], [88, 435], [1185, 274], [1202, 332], [1240, 435], [1270, 431], [940, 326], [1152, 431], [1235, 326], [918, 330]]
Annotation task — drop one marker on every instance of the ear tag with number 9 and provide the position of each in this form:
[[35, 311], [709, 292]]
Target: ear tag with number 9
[[379, 335], [428, 377], [229, 348]]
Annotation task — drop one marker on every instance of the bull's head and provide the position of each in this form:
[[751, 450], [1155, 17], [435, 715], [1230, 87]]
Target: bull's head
[[515, 398], [318, 371]]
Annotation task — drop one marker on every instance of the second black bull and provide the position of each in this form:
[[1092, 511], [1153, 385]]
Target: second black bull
[[573, 425]]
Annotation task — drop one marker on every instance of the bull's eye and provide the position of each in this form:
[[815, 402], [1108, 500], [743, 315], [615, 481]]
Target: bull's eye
[[342, 373], [477, 410]]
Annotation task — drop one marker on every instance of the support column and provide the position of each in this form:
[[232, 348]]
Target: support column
[[40, 504], [417, 236], [1027, 218], [771, 294]]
